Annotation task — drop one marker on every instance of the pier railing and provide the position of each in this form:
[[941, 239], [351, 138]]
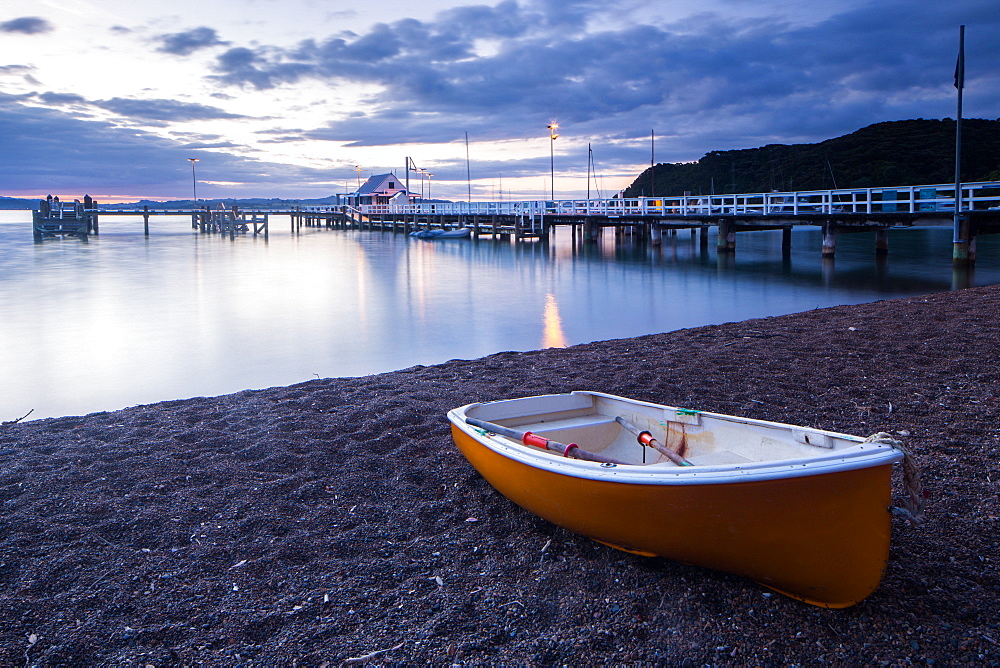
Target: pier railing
[[935, 200]]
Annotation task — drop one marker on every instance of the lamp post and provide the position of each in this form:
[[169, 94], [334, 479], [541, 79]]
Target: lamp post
[[420, 171], [194, 181], [429, 175], [409, 162], [553, 135]]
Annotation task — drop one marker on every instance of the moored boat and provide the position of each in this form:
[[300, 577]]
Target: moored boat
[[800, 510], [459, 233]]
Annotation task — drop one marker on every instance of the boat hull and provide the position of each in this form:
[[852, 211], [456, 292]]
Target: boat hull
[[461, 233], [822, 539]]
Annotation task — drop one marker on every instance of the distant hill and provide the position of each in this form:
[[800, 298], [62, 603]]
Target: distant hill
[[894, 153], [8, 203], [249, 203]]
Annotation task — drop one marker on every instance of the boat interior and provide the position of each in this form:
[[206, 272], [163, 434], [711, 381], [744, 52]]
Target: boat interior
[[703, 439]]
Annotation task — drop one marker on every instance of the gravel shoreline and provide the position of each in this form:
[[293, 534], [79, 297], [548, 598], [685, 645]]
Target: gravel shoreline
[[322, 522]]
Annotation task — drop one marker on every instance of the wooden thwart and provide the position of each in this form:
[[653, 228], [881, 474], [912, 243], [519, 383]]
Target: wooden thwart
[[526, 437]]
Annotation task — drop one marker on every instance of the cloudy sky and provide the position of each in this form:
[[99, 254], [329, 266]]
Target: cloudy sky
[[284, 98]]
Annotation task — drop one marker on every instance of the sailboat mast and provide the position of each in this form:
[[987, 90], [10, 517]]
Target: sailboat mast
[[590, 161], [468, 169]]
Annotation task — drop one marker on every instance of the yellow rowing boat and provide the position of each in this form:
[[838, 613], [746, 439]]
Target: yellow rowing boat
[[802, 511]]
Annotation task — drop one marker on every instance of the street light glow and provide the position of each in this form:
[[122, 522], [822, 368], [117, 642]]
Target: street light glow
[[194, 180], [553, 135]]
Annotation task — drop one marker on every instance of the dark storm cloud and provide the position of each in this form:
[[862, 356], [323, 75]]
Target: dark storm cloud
[[151, 110], [189, 41], [57, 99], [502, 72], [28, 25], [710, 77], [124, 156], [163, 110], [387, 53], [99, 156], [259, 69], [199, 141], [506, 19]]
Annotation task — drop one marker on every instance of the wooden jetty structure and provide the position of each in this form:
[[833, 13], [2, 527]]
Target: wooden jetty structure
[[486, 220], [82, 219], [64, 219], [232, 220], [836, 212], [646, 219]]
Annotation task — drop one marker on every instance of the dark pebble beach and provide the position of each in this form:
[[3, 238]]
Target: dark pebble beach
[[334, 522]]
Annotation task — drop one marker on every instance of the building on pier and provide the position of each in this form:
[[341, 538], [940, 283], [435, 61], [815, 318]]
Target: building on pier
[[381, 189]]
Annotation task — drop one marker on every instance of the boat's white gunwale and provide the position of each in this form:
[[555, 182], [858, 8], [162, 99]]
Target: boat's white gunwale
[[717, 416], [862, 455]]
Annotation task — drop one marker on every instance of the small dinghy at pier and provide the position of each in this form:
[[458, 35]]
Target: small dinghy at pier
[[460, 233], [802, 511]]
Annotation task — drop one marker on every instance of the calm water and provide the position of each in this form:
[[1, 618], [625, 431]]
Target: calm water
[[126, 319]]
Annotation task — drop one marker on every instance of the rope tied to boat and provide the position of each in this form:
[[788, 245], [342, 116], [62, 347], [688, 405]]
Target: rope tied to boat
[[913, 505]]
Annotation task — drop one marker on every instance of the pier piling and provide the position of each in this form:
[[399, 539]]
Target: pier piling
[[882, 242], [727, 237], [829, 241], [964, 245]]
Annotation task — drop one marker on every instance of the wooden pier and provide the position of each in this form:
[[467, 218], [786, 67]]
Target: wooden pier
[[82, 219], [645, 219], [64, 219], [836, 212], [497, 225]]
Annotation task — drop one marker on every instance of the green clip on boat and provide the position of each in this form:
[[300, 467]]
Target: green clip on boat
[[802, 511]]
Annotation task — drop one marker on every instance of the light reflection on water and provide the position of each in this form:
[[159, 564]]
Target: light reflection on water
[[126, 319], [553, 335]]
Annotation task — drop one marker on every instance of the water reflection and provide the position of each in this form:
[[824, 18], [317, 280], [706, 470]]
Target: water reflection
[[962, 277], [829, 270], [131, 319], [553, 335]]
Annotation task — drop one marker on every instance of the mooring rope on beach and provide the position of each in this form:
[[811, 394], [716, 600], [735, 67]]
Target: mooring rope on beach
[[913, 505]]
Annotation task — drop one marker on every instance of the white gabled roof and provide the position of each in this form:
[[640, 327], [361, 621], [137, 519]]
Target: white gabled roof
[[378, 184]]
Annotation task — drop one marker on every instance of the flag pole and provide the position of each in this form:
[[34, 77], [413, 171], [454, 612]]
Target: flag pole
[[652, 161], [468, 167], [961, 238]]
